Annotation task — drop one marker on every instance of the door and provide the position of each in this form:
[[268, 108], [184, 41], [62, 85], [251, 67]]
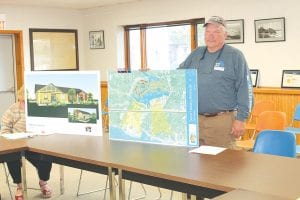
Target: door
[[7, 72]]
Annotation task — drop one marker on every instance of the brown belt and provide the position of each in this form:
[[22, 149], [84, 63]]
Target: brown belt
[[216, 114]]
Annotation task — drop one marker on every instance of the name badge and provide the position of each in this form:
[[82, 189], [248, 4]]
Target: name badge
[[219, 66]]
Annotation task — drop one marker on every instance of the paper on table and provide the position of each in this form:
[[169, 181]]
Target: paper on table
[[14, 136], [208, 150]]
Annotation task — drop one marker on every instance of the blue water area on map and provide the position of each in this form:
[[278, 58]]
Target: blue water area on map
[[148, 89], [151, 77], [118, 133], [148, 97]]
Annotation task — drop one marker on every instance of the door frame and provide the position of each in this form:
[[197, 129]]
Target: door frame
[[19, 54]]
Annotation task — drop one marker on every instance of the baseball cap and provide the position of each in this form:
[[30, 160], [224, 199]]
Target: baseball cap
[[215, 20]]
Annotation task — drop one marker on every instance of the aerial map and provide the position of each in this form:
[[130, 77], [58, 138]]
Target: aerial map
[[154, 107]]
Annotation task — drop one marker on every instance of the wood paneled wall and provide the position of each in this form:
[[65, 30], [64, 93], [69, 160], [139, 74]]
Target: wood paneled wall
[[285, 100], [104, 94]]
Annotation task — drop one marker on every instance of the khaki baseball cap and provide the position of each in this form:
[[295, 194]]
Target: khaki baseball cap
[[215, 20]]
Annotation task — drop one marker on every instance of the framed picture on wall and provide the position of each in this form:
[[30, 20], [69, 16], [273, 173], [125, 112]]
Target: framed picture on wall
[[254, 77], [53, 49], [235, 31], [290, 79], [270, 30], [96, 39]]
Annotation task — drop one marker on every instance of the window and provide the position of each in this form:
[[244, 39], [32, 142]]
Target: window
[[135, 49], [161, 46], [200, 34]]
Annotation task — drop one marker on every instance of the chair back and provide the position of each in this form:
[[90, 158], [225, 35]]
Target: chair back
[[274, 142], [262, 106], [297, 113], [258, 108], [271, 120]]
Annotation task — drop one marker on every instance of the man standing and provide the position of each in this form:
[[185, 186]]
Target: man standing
[[224, 87]]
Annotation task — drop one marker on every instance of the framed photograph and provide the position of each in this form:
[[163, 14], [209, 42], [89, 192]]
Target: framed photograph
[[96, 39], [254, 77], [235, 31], [290, 79], [53, 49], [270, 30]]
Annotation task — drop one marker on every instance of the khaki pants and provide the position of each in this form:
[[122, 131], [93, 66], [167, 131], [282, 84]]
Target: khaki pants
[[216, 131]]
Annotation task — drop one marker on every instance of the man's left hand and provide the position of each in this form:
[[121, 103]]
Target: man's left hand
[[238, 128]]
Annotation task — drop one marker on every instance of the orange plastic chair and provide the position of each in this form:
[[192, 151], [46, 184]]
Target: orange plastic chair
[[267, 120], [271, 120], [258, 108]]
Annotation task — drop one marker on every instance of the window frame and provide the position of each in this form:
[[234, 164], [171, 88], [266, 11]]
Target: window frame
[[142, 27]]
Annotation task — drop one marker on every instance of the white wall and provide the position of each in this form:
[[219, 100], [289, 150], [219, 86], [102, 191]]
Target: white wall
[[23, 18], [270, 58]]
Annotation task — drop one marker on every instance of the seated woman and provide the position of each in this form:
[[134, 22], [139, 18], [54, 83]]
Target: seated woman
[[13, 121]]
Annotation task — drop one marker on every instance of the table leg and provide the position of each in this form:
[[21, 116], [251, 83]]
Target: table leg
[[121, 185], [62, 179], [185, 197], [23, 175], [193, 197], [112, 189]]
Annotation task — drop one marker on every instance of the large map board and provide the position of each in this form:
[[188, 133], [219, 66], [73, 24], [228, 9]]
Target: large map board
[[154, 107]]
